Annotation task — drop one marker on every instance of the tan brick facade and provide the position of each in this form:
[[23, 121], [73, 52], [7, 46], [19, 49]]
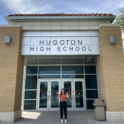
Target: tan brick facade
[[111, 69], [11, 70]]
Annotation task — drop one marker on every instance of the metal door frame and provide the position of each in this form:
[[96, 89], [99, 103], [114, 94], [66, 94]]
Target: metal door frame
[[48, 94], [53, 109], [38, 92], [84, 95], [72, 89], [73, 93]]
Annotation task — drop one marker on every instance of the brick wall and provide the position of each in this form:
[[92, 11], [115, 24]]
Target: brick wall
[[111, 68], [11, 70]]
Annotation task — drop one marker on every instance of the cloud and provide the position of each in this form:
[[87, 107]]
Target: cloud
[[26, 6], [92, 6], [66, 6]]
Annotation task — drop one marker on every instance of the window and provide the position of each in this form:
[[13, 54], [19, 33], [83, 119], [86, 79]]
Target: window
[[31, 70], [49, 69], [91, 85]]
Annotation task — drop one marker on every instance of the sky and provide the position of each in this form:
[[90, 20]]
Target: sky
[[57, 6]]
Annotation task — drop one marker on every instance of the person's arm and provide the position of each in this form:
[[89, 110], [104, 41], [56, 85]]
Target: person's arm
[[58, 95], [67, 95]]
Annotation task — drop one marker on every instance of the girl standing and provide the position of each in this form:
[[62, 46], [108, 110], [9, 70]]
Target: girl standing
[[63, 104]]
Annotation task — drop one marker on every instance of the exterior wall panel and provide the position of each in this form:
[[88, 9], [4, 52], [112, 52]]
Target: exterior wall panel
[[110, 64], [11, 73]]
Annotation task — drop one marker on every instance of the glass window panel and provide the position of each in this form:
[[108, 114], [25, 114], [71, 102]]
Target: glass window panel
[[49, 70], [72, 70], [43, 94], [30, 94], [30, 105], [49, 76], [31, 82], [67, 87], [72, 76], [31, 70], [90, 104], [54, 96], [72, 60], [79, 94], [91, 93], [49, 60], [91, 81], [90, 69], [31, 60]]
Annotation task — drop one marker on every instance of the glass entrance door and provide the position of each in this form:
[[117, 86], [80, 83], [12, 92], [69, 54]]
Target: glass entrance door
[[47, 97], [54, 88], [75, 89], [68, 87], [43, 95], [79, 95]]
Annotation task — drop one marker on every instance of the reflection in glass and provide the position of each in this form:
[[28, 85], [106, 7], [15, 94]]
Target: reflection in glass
[[92, 93], [91, 81], [72, 76], [54, 96], [79, 93], [67, 87], [31, 82], [49, 76], [72, 70], [43, 95], [31, 70], [30, 94], [90, 69], [29, 104], [90, 104], [49, 69]]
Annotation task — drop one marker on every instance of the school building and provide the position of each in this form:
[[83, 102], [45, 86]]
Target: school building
[[42, 53]]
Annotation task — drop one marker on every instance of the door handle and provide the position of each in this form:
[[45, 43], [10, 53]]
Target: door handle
[[47, 97], [50, 97], [74, 97]]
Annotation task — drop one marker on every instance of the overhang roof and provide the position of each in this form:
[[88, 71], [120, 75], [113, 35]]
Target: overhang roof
[[65, 14], [61, 17]]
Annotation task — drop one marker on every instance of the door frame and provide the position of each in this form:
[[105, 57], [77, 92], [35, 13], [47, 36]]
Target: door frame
[[61, 85], [84, 95], [48, 94], [50, 80], [38, 92], [72, 89], [73, 93]]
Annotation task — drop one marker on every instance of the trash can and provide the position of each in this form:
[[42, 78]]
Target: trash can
[[99, 109]]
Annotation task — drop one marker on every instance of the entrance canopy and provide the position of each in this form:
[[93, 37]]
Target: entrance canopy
[[75, 59]]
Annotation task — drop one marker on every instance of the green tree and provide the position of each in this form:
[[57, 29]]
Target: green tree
[[120, 18]]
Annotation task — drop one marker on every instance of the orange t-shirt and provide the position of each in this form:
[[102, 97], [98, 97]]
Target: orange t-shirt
[[63, 97]]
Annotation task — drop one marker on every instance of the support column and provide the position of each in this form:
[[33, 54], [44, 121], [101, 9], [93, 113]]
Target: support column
[[110, 64], [11, 74]]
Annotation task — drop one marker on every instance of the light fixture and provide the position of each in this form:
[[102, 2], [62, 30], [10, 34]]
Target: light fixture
[[7, 39], [112, 39]]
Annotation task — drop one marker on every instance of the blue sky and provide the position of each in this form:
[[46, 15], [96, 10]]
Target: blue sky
[[58, 6]]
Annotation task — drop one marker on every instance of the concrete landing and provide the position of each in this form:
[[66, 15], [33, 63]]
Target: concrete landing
[[53, 117]]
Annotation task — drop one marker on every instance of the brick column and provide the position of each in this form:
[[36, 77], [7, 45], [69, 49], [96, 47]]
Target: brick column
[[110, 64], [11, 74]]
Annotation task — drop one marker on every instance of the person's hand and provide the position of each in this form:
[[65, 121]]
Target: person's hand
[[57, 93]]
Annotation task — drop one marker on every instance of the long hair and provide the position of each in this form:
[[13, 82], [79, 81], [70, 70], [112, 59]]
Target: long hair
[[61, 91]]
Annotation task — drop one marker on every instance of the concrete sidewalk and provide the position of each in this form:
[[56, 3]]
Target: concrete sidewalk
[[53, 117]]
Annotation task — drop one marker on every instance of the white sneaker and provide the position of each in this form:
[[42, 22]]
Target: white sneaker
[[65, 121], [61, 120]]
